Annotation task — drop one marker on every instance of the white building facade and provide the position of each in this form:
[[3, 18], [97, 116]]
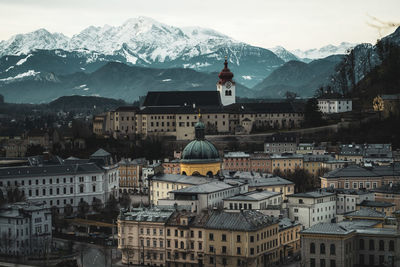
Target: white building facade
[[61, 185], [337, 105], [312, 207], [25, 229]]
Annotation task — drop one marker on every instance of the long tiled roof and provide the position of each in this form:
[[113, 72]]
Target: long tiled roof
[[257, 108], [249, 220], [366, 213], [254, 196], [313, 194], [328, 229], [182, 179], [205, 188], [182, 98], [36, 171], [349, 172], [380, 204]]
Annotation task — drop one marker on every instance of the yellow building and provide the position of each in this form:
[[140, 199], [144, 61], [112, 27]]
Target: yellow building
[[160, 185], [200, 157], [286, 162], [130, 175], [141, 236], [314, 163], [248, 238], [289, 238]]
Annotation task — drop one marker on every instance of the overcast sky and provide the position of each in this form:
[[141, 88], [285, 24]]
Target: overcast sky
[[266, 23]]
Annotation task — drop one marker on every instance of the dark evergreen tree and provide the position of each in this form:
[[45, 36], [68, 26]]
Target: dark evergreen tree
[[312, 114]]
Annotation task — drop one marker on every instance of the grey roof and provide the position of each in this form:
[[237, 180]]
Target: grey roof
[[236, 155], [378, 231], [367, 213], [182, 179], [321, 158], [206, 188], [100, 153], [154, 214], [249, 220], [182, 98], [351, 150], [359, 224], [285, 223], [270, 181], [138, 161], [349, 172], [328, 229], [313, 194], [287, 156], [16, 172], [350, 191], [254, 196], [379, 204]]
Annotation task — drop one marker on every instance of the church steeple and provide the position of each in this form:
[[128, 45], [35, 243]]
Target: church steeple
[[226, 86]]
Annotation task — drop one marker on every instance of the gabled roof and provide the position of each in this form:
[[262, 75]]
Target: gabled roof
[[182, 98], [375, 204], [349, 172], [249, 220], [366, 213], [100, 153], [254, 195], [313, 194], [206, 188], [328, 229]]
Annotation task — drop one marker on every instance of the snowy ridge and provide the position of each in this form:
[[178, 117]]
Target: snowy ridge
[[324, 51]]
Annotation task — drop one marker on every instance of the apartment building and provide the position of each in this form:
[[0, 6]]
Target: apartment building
[[281, 143], [25, 229], [130, 175], [286, 162], [253, 200], [312, 207], [356, 177], [164, 236]]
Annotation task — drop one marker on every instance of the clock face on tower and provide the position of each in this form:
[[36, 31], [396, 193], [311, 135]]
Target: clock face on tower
[[228, 85]]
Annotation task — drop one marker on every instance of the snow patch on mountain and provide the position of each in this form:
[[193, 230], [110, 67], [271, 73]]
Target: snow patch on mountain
[[23, 60], [20, 76], [328, 50]]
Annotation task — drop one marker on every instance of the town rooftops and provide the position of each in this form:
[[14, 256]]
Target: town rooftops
[[270, 181], [254, 196], [100, 153], [127, 109], [286, 223], [38, 171], [366, 213], [154, 214], [182, 98], [328, 229], [181, 179], [138, 161], [313, 194], [351, 150], [249, 220], [317, 158], [359, 224], [236, 155], [259, 108], [207, 188], [350, 172], [281, 138], [376, 204], [287, 156]]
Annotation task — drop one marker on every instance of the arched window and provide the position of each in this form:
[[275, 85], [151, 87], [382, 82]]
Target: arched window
[[361, 244], [183, 173], [322, 248], [333, 249], [391, 245], [312, 248], [371, 244], [381, 245]]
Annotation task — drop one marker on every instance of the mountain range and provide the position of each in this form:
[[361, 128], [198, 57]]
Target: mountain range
[[158, 57]]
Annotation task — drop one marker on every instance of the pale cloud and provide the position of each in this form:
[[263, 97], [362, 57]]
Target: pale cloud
[[290, 23]]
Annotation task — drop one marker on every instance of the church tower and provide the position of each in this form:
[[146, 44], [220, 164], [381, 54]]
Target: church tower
[[225, 85]]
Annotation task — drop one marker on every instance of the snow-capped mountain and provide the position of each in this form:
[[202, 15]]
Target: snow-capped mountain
[[324, 51], [145, 42], [284, 54]]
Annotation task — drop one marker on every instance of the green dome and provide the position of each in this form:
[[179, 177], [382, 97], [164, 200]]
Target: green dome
[[200, 151], [199, 125]]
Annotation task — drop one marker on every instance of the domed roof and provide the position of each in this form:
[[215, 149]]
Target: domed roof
[[199, 125], [200, 151], [225, 74]]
